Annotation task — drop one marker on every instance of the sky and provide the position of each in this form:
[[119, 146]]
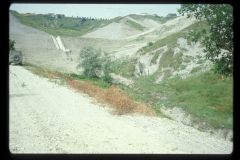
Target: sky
[[108, 11]]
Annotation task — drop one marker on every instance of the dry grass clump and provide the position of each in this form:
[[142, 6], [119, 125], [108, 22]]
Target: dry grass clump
[[117, 98]]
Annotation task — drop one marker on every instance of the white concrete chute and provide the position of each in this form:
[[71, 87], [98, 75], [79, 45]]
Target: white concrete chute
[[59, 44], [55, 42]]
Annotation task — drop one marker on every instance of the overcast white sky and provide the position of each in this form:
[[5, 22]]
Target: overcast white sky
[[96, 10]]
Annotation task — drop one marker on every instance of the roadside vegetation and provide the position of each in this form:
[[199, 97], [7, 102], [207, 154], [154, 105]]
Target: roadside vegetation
[[205, 96], [111, 96]]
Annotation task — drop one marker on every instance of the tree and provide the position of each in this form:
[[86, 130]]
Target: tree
[[94, 63], [11, 45], [82, 20], [219, 40], [107, 67], [91, 61]]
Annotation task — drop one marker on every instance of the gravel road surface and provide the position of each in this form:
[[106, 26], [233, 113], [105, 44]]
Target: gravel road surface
[[48, 118]]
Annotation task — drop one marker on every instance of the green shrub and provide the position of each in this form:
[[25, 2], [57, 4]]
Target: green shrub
[[196, 69], [200, 61], [11, 45], [94, 63], [136, 25], [150, 43], [107, 78], [91, 61]]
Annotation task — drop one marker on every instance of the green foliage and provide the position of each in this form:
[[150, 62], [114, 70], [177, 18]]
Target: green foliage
[[150, 43], [204, 96], [70, 27], [165, 59], [11, 45], [83, 20], [91, 61], [117, 19], [220, 19], [107, 66], [155, 18], [94, 81], [136, 25], [49, 18], [222, 67], [107, 78], [202, 91], [94, 63], [196, 69], [59, 16], [140, 38]]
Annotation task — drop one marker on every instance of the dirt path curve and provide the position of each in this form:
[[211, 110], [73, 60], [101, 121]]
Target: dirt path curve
[[48, 118]]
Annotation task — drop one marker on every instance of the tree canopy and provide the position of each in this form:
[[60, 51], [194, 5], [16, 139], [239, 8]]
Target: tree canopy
[[219, 41]]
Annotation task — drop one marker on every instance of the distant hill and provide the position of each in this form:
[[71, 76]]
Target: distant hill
[[71, 27]]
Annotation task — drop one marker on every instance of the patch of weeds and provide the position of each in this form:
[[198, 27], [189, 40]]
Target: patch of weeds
[[167, 74], [62, 82], [196, 69], [154, 59], [158, 112], [182, 67], [156, 55], [186, 60], [181, 48], [95, 81], [23, 84], [140, 38], [200, 61], [176, 61], [13, 74], [165, 59], [125, 67], [198, 56], [201, 91], [135, 25]]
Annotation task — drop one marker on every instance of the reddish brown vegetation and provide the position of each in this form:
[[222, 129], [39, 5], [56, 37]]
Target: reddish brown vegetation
[[114, 97]]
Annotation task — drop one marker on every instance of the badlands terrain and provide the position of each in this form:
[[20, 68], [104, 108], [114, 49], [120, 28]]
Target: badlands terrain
[[48, 118]]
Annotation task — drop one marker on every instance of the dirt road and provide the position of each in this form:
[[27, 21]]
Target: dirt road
[[48, 118]]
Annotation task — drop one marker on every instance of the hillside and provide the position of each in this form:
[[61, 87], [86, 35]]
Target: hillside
[[169, 72], [69, 26]]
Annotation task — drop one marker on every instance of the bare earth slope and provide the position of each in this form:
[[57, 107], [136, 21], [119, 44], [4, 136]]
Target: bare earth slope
[[38, 48], [17, 27], [47, 118], [114, 31], [147, 23]]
